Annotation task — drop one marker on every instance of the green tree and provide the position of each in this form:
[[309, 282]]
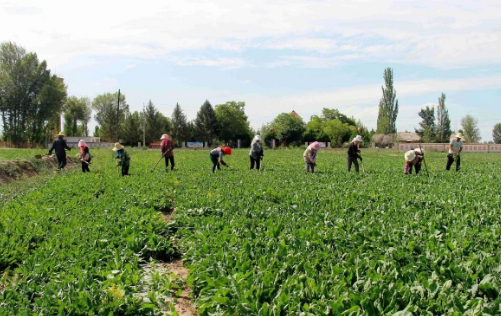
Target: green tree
[[427, 126], [96, 131], [179, 129], [470, 129], [338, 132], [232, 122], [206, 125], [77, 110], [443, 129], [131, 133], [106, 106], [156, 123], [315, 130], [496, 133], [31, 98], [388, 106], [288, 128]]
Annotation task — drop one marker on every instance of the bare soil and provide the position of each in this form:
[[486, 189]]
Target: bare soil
[[182, 304], [17, 169]]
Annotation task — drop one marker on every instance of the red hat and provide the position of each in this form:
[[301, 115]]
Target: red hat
[[226, 150]]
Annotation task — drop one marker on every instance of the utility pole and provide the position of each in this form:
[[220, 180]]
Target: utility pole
[[118, 117], [144, 127]]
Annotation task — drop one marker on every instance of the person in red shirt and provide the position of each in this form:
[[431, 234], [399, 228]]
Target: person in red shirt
[[167, 147]]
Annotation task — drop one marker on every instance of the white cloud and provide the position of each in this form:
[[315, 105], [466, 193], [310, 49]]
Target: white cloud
[[435, 33], [130, 66], [225, 63]]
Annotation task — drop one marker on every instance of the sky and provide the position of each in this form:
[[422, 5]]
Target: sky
[[277, 56]]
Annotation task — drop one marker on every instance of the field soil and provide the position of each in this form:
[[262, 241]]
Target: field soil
[[11, 170]]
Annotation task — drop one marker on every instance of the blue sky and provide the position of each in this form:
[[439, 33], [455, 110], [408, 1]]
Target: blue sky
[[274, 55]]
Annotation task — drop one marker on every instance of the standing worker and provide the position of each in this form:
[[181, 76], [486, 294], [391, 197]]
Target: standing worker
[[256, 152], [413, 159], [354, 153], [455, 148], [84, 155], [124, 158], [60, 147], [216, 155], [310, 155], [167, 146]]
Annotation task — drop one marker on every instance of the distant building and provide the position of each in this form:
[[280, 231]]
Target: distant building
[[406, 137], [87, 139], [294, 113]]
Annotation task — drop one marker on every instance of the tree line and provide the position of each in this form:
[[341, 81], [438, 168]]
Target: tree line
[[32, 101]]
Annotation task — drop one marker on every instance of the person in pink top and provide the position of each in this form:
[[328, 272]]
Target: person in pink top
[[167, 146], [84, 155]]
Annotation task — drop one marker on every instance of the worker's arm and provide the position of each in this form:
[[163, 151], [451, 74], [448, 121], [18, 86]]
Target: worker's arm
[[451, 149], [66, 146]]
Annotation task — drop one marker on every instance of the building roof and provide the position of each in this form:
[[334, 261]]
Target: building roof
[[404, 137], [294, 113]]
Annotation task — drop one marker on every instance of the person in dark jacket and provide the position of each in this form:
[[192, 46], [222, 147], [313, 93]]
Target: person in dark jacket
[[256, 152], [84, 155], [60, 147], [354, 153], [124, 158], [216, 155], [166, 147]]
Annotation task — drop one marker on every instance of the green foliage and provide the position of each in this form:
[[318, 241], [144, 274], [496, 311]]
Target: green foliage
[[206, 126], [388, 106], [496, 133], [471, 132], [288, 128], [232, 122], [132, 130], [179, 129], [109, 116], [78, 246], [31, 97], [443, 131], [427, 124], [76, 110]]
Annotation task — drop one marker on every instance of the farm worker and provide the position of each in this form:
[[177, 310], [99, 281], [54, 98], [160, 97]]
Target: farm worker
[[124, 158], [309, 156], [413, 158], [60, 147], [256, 152], [354, 152], [455, 148], [167, 146], [84, 155], [216, 155]]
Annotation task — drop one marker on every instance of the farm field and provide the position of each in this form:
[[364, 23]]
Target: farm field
[[275, 242]]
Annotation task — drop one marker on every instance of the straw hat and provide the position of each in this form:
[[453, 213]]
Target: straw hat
[[164, 136], [459, 135], [410, 155], [61, 134], [117, 147], [257, 138]]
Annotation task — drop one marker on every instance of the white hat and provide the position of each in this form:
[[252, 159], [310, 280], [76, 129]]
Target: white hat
[[410, 155], [358, 138], [164, 136], [459, 135], [257, 138], [117, 147]]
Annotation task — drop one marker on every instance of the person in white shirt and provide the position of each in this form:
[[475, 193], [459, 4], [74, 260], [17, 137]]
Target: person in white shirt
[[455, 148]]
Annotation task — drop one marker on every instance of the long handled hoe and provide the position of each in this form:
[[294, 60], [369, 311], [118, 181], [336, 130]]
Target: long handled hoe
[[424, 159]]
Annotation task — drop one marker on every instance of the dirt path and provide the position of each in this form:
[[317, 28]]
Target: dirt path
[[182, 303]]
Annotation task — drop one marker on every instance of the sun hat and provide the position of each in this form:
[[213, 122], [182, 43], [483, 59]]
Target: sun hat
[[315, 145], [257, 138], [358, 138], [226, 150], [459, 135], [82, 143], [164, 136], [410, 155], [61, 134], [117, 147]]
